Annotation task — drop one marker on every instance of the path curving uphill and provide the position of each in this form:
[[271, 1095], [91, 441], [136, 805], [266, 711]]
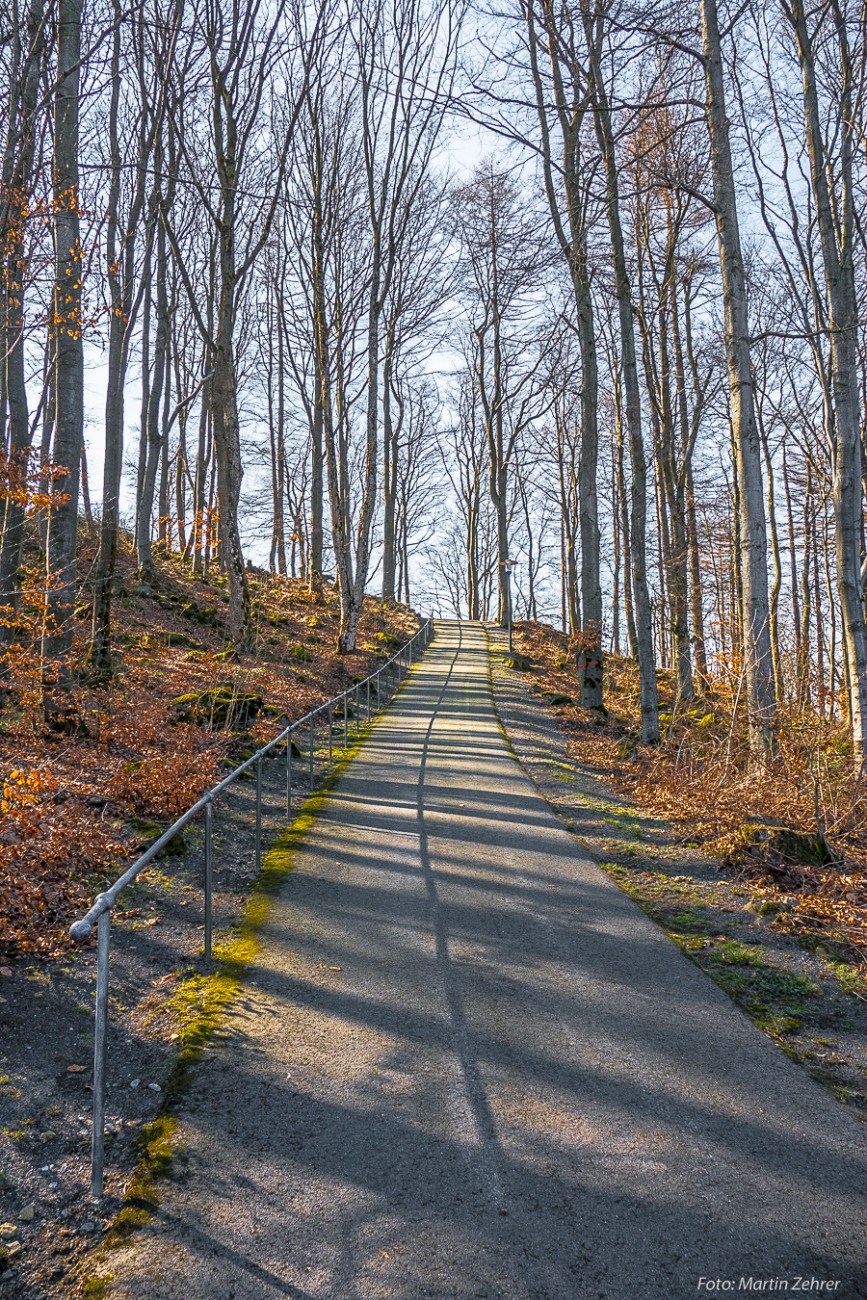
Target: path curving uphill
[[468, 1067]]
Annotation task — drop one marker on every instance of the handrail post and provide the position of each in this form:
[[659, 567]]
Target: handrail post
[[209, 881], [100, 1037], [259, 815], [100, 911]]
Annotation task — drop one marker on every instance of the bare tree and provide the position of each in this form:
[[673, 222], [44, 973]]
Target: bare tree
[[836, 218], [597, 30], [27, 54], [503, 259], [68, 329], [758, 662]]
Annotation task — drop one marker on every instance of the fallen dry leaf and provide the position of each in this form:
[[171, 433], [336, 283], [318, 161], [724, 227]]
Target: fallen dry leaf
[[75, 1069]]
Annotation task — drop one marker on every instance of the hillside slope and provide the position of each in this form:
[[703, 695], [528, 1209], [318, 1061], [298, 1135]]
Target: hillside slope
[[131, 753]]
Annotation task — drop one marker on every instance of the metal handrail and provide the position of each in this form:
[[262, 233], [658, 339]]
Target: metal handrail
[[100, 913]]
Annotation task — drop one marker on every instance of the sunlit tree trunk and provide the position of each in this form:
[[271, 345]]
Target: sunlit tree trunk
[[631, 390], [68, 327], [752, 541], [836, 218], [25, 65]]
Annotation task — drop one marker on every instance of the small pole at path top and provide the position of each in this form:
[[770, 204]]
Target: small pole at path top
[[508, 566]]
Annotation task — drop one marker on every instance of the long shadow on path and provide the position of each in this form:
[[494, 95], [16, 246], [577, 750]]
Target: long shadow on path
[[468, 1066]]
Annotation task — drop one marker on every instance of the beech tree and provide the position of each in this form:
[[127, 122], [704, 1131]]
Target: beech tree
[[67, 325]]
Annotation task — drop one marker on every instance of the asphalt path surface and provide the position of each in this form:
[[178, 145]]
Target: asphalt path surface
[[466, 1066]]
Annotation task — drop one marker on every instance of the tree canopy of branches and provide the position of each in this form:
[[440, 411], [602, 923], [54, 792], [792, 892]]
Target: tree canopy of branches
[[407, 295]]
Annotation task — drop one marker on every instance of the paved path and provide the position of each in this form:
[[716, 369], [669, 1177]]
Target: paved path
[[513, 1085]]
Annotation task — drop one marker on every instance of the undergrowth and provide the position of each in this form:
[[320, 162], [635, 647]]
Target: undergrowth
[[702, 777], [74, 800]]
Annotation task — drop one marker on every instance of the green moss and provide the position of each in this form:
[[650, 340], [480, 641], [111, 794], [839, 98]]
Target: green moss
[[499, 720], [850, 980], [201, 1001], [732, 953], [95, 1288]]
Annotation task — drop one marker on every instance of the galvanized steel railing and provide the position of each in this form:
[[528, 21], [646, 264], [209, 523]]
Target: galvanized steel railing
[[100, 913]]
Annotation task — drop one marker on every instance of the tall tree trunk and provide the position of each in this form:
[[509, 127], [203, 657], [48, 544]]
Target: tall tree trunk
[[200, 523], [753, 546], [778, 568], [118, 338], [570, 108], [323, 382], [280, 455], [631, 390], [69, 350], [590, 666], [147, 307], [622, 509], [227, 448], [158, 375], [836, 223], [49, 413], [164, 519], [389, 476], [17, 181], [354, 597], [695, 582]]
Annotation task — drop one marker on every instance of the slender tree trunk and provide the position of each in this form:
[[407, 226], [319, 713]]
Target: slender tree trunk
[[280, 453], [321, 395], [85, 487], [803, 667], [49, 421], [631, 391], [158, 378], [69, 350], [118, 335], [758, 662], [201, 477], [778, 571], [181, 472], [389, 477], [147, 307], [164, 519], [622, 507], [227, 448], [591, 667], [570, 108], [836, 223], [695, 582], [17, 180], [820, 622], [793, 561]]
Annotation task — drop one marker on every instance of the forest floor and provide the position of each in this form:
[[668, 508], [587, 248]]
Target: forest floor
[[77, 808], [784, 937]]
